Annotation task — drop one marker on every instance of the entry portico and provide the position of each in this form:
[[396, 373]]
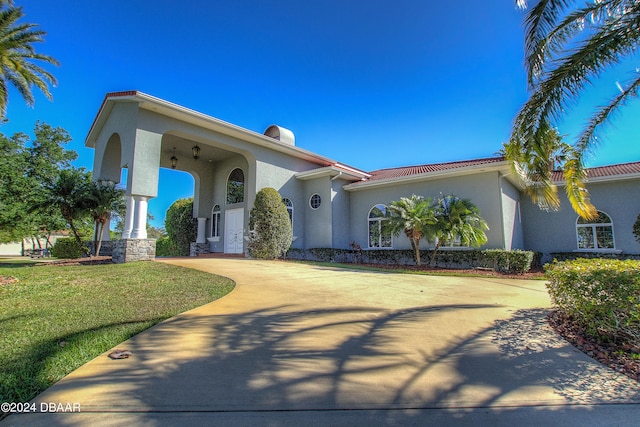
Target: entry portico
[[229, 165]]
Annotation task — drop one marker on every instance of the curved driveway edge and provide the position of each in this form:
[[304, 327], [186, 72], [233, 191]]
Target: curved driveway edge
[[294, 343]]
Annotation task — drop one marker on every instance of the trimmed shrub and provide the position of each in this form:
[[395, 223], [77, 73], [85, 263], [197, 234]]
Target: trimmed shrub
[[601, 294], [271, 234], [498, 259], [181, 226], [68, 247], [515, 261]]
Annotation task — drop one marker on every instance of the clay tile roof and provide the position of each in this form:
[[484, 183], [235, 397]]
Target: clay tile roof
[[434, 167], [606, 171]]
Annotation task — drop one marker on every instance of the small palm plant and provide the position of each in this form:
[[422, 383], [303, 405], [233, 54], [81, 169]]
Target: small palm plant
[[415, 217], [457, 220]]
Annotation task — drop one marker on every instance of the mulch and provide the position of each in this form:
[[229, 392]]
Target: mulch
[[617, 356]]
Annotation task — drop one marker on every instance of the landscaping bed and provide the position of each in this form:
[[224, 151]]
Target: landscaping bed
[[620, 357]]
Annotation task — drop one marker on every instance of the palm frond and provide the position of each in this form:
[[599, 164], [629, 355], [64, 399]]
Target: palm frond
[[577, 193], [588, 136], [17, 56]]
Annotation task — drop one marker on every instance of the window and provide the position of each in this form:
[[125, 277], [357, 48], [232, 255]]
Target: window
[[235, 187], [315, 201], [215, 221], [378, 237], [456, 242], [595, 234], [289, 204]]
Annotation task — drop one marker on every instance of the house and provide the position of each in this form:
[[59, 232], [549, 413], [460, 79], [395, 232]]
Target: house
[[330, 204]]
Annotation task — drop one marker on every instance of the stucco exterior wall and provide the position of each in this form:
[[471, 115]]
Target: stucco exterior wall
[[122, 121], [278, 171], [482, 189], [511, 217], [340, 206], [556, 231], [318, 232]]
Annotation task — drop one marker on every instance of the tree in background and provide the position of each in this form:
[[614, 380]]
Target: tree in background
[[458, 222], [181, 226], [13, 181], [568, 45], [17, 56], [27, 168], [415, 217], [269, 225]]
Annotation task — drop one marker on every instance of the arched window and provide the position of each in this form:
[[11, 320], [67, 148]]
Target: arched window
[[215, 221], [378, 237], [235, 187], [595, 234], [289, 204]]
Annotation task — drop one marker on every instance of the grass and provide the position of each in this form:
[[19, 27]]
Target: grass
[[53, 319]]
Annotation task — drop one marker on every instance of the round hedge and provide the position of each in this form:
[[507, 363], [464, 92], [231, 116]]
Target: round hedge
[[271, 233]]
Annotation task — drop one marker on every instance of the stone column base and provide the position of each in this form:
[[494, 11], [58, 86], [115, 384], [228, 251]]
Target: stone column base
[[198, 248], [131, 250]]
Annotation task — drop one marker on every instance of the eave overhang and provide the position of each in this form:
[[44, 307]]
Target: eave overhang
[[334, 171]]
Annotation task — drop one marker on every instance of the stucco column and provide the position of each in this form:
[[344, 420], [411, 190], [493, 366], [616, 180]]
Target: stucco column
[[128, 218], [202, 230], [139, 218]]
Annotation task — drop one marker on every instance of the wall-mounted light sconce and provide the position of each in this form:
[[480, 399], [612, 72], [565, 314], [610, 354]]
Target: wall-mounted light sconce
[[196, 151], [174, 159]]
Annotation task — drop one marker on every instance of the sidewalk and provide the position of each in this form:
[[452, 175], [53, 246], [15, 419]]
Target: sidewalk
[[297, 344]]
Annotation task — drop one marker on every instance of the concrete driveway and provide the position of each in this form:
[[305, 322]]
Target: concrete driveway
[[298, 344]]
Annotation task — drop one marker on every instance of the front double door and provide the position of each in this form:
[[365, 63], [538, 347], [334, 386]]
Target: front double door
[[234, 231]]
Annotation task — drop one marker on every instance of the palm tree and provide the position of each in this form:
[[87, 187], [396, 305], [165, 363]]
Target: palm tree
[[17, 55], [535, 164], [413, 216], [567, 45], [458, 220], [103, 200]]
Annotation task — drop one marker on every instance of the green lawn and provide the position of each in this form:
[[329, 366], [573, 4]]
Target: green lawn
[[53, 319]]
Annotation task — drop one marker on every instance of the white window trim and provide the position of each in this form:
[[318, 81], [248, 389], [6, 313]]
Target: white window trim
[[215, 225], [226, 188], [595, 241], [379, 221], [290, 209], [311, 201]]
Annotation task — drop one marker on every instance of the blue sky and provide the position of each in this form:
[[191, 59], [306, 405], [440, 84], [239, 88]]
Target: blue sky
[[373, 84]]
